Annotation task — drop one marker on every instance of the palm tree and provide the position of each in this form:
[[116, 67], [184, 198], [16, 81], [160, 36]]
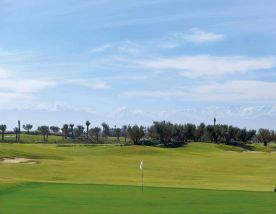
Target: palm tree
[[19, 131], [106, 129], [124, 130], [215, 131], [87, 128], [95, 132], [79, 131], [16, 133], [72, 129], [3, 128], [28, 127], [117, 134], [65, 130]]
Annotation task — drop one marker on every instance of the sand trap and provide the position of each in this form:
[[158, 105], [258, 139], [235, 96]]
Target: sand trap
[[254, 152], [17, 160]]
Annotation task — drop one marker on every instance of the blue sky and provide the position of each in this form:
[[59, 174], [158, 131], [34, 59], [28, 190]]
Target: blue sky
[[127, 62]]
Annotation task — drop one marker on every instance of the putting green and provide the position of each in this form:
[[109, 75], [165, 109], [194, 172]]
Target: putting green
[[45, 198]]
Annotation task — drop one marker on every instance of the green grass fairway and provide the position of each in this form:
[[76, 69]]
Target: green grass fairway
[[68, 177], [198, 165], [103, 199]]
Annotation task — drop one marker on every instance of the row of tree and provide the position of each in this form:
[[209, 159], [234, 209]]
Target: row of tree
[[162, 132], [69, 131], [178, 134]]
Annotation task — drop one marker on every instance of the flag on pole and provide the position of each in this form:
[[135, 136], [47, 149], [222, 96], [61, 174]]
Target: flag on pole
[[142, 173], [142, 165]]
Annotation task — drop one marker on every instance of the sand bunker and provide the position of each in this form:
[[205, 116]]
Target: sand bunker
[[17, 160], [254, 152]]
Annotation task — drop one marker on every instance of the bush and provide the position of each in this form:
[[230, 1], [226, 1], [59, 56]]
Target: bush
[[175, 144], [147, 142]]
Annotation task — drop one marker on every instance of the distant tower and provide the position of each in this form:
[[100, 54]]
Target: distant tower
[[215, 120]]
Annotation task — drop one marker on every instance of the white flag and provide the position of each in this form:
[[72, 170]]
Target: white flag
[[142, 165]]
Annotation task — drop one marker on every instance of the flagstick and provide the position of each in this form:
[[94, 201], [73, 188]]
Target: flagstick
[[142, 174], [142, 180]]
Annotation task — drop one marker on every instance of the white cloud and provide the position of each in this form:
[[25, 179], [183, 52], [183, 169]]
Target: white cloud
[[25, 85], [239, 90], [204, 65], [61, 106], [236, 114], [156, 93], [253, 111], [4, 74], [192, 36], [120, 48], [199, 36], [11, 56], [92, 84], [101, 49], [130, 47], [247, 111], [8, 97], [124, 111], [14, 88], [170, 43], [17, 91]]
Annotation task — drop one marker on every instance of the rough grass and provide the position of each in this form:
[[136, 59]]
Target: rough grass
[[30, 138]]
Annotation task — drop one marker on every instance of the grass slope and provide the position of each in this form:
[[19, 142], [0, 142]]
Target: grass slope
[[103, 199], [67, 179], [199, 165]]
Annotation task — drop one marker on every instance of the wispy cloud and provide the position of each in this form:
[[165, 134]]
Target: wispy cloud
[[119, 48], [193, 35], [61, 106], [198, 114], [14, 55], [100, 49], [156, 93], [4, 74], [124, 111], [205, 65], [199, 36], [9, 97], [173, 40], [26, 85], [15, 87], [92, 84], [239, 90]]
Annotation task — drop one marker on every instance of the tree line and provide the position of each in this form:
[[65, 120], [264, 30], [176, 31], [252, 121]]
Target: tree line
[[160, 132]]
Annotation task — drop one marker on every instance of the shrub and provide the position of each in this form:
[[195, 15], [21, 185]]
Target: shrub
[[148, 142]]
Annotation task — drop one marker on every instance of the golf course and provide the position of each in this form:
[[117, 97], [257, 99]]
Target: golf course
[[137, 107], [93, 178]]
